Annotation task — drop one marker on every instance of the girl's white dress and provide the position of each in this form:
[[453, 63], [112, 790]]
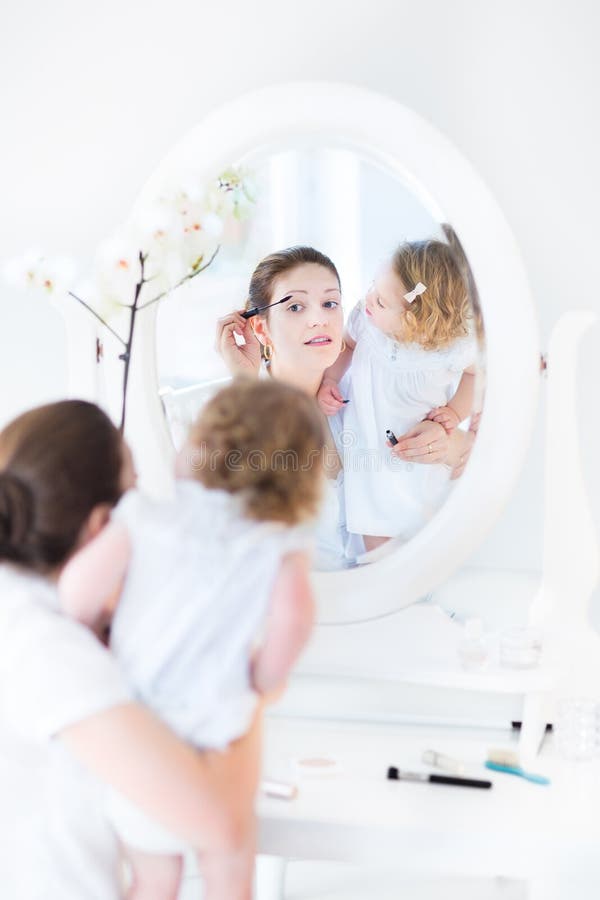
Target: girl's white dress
[[194, 601], [393, 386], [193, 606]]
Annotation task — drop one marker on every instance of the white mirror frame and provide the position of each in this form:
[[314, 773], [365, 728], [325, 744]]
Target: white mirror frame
[[423, 158]]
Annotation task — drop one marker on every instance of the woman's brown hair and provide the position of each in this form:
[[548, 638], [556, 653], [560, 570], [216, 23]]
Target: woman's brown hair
[[262, 440], [57, 462], [463, 263], [260, 291]]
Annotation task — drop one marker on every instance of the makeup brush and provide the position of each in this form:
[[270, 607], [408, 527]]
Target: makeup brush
[[256, 309], [508, 761]]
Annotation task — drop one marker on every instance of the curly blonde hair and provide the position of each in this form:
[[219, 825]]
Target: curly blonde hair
[[264, 441], [442, 313]]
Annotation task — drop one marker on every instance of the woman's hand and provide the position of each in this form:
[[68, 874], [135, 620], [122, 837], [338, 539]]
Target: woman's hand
[[461, 454], [329, 398], [427, 442], [240, 359], [463, 450]]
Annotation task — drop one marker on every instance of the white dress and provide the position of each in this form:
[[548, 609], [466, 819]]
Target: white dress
[[53, 673], [393, 386], [193, 605]]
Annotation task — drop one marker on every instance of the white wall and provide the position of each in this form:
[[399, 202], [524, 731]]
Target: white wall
[[93, 95]]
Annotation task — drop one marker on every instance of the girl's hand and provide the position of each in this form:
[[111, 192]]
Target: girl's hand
[[446, 416], [241, 359], [329, 398], [426, 443]]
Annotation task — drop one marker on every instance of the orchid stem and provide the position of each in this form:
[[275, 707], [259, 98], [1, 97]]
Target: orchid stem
[[126, 356], [180, 282], [134, 308], [100, 319]]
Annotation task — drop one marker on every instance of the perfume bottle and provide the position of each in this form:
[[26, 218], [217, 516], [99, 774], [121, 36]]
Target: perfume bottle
[[472, 650]]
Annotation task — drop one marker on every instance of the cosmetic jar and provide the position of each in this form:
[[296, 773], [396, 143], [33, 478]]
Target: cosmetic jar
[[314, 766], [520, 647]]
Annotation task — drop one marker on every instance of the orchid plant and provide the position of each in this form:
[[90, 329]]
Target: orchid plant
[[166, 245]]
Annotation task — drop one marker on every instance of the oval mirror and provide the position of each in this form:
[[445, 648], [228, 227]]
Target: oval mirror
[[353, 174]]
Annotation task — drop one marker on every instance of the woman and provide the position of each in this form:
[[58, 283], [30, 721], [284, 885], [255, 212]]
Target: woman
[[62, 468], [299, 339]]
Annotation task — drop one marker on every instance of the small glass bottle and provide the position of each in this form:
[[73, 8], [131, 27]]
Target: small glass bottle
[[576, 728], [472, 650]]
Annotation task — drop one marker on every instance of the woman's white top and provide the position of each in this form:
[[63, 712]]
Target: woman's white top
[[393, 386], [53, 673], [193, 605], [335, 548]]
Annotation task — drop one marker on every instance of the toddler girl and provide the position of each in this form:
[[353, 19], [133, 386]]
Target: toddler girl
[[412, 358], [216, 603]]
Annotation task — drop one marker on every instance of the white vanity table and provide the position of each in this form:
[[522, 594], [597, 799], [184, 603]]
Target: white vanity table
[[356, 697], [545, 835]]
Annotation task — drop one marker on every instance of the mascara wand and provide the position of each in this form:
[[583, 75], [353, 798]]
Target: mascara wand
[[256, 309]]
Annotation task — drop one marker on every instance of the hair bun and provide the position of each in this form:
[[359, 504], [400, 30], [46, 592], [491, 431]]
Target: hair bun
[[16, 515]]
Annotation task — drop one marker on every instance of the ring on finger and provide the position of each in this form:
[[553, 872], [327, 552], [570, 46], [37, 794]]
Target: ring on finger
[[429, 448]]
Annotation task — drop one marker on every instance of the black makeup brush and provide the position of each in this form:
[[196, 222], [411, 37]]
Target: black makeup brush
[[256, 309]]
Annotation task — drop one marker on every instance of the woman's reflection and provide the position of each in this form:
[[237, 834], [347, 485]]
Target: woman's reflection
[[412, 355], [299, 340]]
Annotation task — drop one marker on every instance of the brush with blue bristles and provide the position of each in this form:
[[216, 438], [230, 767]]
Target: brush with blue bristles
[[508, 761]]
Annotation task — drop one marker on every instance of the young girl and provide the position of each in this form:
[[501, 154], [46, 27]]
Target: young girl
[[205, 577], [64, 703], [412, 358]]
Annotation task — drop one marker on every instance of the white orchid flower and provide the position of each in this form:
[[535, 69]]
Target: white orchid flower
[[35, 270], [197, 246], [117, 267], [213, 224]]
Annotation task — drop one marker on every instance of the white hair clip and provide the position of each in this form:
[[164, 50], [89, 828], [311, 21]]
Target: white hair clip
[[420, 288]]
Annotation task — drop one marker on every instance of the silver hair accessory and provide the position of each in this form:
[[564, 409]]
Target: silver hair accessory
[[420, 288]]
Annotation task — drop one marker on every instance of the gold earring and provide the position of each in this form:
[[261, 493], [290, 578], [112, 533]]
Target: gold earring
[[343, 347], [268, 352]]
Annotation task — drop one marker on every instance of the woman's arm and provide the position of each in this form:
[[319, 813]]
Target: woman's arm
[[205, 798], [241, 359], [290, 622], [462, 450]]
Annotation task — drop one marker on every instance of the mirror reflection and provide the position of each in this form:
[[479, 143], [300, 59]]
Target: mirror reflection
[[373, 311]]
